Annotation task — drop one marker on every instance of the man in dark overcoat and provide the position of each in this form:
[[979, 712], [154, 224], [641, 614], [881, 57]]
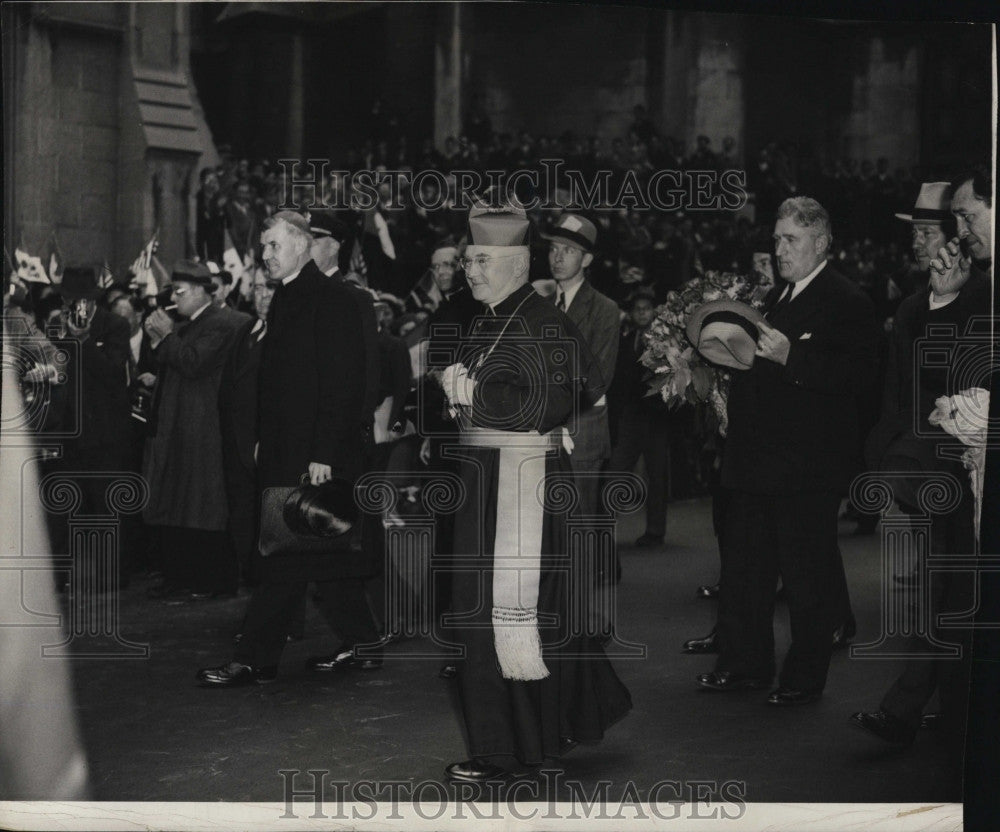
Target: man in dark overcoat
[[946, 319], [791, 452], [183, 458], [314, 423]]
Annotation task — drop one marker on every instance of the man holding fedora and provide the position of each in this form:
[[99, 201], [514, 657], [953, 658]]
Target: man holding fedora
[[790, 452], [314, 423], [531, 682]]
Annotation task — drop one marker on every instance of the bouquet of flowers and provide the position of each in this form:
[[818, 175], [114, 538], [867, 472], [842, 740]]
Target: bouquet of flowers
[[680, 374], [965, 416]]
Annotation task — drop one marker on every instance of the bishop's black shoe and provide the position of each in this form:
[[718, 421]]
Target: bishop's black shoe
[[235, 675], [722, 681], [476, 771], [888, 728], [343, 659]]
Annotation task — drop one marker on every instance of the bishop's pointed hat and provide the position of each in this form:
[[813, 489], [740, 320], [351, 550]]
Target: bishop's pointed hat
[[502, 223]]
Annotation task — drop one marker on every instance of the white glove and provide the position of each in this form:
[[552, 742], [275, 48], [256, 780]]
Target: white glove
[[457, 385]]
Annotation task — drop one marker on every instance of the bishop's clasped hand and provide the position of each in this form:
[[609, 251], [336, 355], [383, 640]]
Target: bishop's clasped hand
[[457, 385]]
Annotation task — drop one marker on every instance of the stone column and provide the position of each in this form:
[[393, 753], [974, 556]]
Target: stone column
[[296, 98], [717, 84], [450, 47]]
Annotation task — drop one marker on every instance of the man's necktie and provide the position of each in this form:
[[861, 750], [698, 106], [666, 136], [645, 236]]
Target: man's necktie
[[560, 300], [782, 301], [262, 331]]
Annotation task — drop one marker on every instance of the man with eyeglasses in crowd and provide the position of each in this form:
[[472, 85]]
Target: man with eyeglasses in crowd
[[532, 683]]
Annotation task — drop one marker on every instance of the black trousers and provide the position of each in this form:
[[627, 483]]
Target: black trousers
[[644, 432], [274, 608], [951, 593], [793, 537]]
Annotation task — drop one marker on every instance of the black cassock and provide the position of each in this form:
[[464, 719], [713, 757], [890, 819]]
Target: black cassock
[[524, 360]]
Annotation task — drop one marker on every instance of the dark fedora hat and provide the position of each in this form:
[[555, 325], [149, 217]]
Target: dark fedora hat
[[725, 332], [322, 511], [191, 271], [80, 282]]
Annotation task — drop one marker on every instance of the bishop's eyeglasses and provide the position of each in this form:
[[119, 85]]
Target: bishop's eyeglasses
[[482, 260]]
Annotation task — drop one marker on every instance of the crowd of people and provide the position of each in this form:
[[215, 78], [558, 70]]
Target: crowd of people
[[317, 357]]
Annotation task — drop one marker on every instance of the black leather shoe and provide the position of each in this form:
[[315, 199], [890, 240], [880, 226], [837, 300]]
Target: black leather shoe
[[648, 541], [843, 634], [449, 671], [234, 675], [723, 681], [475, 771], [701, 645], [790, 696], [343, 659], [707, 591], [885, 726]]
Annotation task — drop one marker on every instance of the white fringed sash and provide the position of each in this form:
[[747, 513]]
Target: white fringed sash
[[517, 547]]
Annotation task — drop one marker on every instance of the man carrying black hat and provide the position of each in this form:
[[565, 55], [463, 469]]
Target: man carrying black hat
[[183, 457], [315, 412]]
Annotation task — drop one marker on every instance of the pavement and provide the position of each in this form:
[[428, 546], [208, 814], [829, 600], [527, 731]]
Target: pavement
[[151, 734]]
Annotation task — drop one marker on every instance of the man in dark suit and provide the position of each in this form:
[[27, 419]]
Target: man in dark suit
[[937, 319], [790, 455], [640, 424], [313, 421], [571, 251]]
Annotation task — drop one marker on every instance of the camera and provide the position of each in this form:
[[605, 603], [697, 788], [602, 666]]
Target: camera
[[141, 404], [79, 313], [50, 406]]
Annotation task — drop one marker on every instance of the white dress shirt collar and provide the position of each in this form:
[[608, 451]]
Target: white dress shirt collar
[[800, 285], [569, 291]]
